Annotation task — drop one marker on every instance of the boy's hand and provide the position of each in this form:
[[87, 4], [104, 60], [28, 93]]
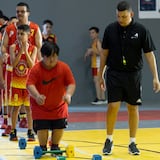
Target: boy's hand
[[67, 98], [40, 99]]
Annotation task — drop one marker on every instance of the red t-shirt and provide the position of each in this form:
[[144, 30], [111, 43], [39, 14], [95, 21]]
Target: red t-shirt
[[51, 83]]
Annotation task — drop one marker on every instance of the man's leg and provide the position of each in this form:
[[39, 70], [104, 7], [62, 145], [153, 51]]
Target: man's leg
[[133, 115], [112, 112], [111, 118]]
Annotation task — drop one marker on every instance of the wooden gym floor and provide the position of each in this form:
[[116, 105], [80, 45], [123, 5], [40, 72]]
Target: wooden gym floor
[[86, 132]]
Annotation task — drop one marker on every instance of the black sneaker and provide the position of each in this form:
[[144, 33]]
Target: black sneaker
[[108, 146], [30, 135], [44, 148], [133, 149], [57, 151], [13, 135]]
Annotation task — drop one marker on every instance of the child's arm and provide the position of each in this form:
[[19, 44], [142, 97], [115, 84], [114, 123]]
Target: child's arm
[[99, 47], [14, 59], [31, 57]]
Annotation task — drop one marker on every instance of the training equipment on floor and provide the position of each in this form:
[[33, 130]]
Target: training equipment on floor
[[22, 143], [96, 157], [69, 152]]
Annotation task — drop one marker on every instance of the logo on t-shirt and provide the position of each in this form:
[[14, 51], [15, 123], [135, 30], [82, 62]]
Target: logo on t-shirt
[[135, 36], [49, 81]]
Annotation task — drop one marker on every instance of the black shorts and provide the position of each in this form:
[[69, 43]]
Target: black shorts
[[124, 86], [49, 124]]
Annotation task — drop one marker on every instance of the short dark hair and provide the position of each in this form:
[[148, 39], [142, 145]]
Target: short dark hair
[[24, 4], [24, 27], [49, 48], [94, 28], [13, 17], [5, 18], [48, 21], [124, 5]]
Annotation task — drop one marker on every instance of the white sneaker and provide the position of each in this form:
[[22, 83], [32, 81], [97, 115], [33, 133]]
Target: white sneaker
[[98, 101], [104, 101]]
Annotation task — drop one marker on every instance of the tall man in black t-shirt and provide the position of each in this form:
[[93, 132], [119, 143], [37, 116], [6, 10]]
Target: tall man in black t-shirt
[[122, 45]]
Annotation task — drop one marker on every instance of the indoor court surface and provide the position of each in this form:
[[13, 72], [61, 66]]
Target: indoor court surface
[[86, 132]]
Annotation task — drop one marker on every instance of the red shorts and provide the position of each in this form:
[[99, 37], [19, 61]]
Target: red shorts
[[19, 97], [94, 71]]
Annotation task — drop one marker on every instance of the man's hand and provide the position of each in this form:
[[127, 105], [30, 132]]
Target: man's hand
[[89, 52], [102, 84], [156, 85]]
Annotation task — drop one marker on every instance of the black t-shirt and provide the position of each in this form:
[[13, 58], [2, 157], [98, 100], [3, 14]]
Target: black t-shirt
[[125, 46]]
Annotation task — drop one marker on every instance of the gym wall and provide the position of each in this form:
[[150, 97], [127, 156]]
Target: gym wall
[[72, 19]]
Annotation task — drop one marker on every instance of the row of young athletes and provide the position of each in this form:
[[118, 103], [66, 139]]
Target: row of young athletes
[[17, 39]]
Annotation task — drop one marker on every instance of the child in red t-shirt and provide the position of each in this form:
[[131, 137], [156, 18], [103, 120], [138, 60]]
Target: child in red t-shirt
[[51, 85]]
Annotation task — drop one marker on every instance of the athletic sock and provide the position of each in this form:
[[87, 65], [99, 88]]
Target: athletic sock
[[132, 139], [110, 137], [22, 115], [9, 121]]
